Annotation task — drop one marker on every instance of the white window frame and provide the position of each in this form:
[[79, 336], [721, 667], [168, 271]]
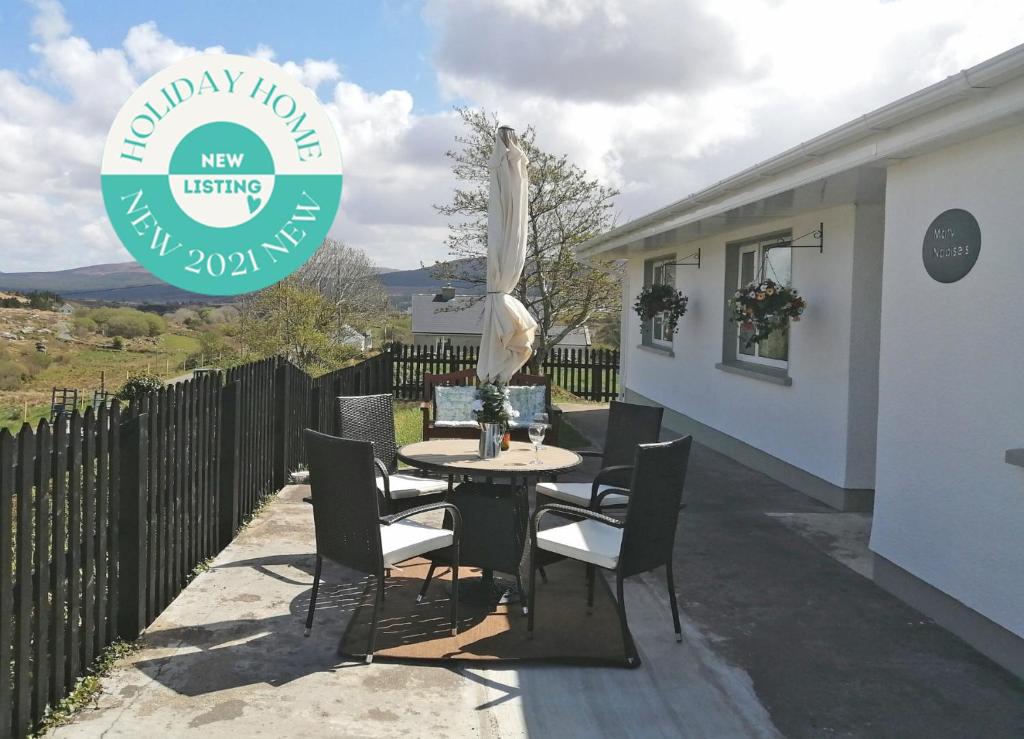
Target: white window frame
[[759, 250], [666, 266]]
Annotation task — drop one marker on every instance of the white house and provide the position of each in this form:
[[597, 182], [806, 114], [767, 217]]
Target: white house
[[353, 337], [901, 386], [447, 319]]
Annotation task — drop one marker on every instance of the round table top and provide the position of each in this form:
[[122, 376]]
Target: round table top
[[460, 456]]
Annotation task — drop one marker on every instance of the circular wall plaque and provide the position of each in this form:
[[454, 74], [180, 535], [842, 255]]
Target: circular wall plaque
[[951, 245]]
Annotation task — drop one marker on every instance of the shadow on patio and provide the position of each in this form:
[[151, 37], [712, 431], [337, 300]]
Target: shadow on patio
[[780, 638]]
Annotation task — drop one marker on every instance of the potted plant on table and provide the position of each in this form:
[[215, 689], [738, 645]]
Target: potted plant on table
[[493, 411], [762, 308], [662, 300]]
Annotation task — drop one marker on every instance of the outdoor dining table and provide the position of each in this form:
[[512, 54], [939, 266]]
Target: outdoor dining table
[[493, 500]]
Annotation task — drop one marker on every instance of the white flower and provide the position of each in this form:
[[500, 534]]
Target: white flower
[[506, 407]]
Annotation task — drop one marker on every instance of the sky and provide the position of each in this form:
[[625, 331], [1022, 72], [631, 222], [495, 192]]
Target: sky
[[657, 98]]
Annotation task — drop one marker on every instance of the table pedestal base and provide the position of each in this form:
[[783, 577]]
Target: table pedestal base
[[489, 592]]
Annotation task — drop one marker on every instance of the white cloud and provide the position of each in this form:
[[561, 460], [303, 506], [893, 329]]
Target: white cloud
[[612, 50], [668, 96], [657, 97], [150, 51], [52, 136]]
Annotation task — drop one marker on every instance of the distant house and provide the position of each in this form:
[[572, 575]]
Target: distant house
[[450, 320], [66, 309], [349, 336]]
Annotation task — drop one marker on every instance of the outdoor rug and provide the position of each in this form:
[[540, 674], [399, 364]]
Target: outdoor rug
[[563, 631]]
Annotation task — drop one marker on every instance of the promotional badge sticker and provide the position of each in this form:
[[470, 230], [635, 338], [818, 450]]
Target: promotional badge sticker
[[222, 174]]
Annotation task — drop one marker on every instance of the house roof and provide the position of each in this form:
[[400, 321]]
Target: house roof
[[978, 100], [464, 315]]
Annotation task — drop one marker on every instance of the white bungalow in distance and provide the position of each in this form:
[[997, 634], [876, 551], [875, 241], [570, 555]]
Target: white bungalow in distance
[[450, 320], [354, 337], [900, 389]]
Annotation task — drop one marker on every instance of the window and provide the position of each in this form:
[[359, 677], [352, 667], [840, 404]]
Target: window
[[663, 272], [759, 262]]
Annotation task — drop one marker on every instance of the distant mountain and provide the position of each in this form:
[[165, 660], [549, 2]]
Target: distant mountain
[[422, 279], [130, 282], [123, 282]]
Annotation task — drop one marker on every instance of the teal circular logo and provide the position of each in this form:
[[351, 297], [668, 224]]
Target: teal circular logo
[[221, 174]]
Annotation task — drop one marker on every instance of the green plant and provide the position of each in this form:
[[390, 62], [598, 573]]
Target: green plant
[[762, 308], [87, 688], [492, 404], [661, 299], [138, 385], [117, 343]]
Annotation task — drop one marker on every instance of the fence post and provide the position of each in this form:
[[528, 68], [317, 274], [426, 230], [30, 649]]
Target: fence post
[[314, 409], [132, 532], [228, 516], [282, 412], [596, 375]]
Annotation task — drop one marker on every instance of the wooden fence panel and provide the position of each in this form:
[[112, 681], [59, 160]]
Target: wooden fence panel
[[8, 501], [41, 566], [585, 372], [105, 514]]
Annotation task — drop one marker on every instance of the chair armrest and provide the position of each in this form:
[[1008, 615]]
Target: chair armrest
[[610, 475], [588, 453], [596, 501], [450, 507], [383, 470], [569, 510]]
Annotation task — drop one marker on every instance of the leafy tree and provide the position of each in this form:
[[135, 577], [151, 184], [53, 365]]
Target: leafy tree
[[566, 207], [291, 320]]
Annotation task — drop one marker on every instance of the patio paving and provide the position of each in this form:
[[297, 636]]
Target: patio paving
[[782, 637]]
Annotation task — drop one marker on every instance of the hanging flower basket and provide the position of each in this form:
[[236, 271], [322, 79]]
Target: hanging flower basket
[[764, 307], [661, 299]]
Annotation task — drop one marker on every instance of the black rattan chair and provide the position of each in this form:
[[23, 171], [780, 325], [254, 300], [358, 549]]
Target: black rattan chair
[[350, 531], [641, 542], [629, 424], [372, 418]]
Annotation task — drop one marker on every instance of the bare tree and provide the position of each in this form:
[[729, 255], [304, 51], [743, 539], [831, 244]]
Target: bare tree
[[348, 280], [566, 208]]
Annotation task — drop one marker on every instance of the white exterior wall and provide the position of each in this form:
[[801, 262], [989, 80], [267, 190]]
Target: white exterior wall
[[948, 508], [806, 424]]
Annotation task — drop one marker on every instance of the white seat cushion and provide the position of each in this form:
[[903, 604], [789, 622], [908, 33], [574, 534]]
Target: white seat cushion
[[457, 424], [578, 493], [406, 539], [410, 486], [586, 540]]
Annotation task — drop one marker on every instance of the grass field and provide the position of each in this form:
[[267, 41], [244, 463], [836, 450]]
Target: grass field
[[82, 365]]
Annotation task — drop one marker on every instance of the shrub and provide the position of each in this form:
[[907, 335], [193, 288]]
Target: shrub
[[155, 324], [126, 325], [85, 325], [138, 385]]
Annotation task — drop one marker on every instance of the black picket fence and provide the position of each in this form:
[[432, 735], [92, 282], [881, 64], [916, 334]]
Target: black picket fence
[[592, 374], [104, 515]]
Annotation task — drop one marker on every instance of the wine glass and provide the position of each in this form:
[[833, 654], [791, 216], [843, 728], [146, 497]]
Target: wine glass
[[538, 428]]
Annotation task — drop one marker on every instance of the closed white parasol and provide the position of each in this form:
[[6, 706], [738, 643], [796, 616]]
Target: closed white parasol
[[507, 340]]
